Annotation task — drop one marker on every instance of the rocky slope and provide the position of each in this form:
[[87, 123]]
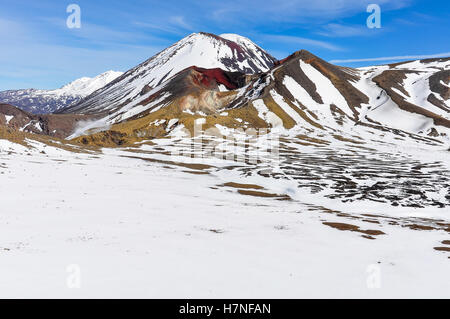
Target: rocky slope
[[55, 125]]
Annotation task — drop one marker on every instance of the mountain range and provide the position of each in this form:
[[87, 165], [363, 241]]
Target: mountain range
[[48, 101], [231, 82]]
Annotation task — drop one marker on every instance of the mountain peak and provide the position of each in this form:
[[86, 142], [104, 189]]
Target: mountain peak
[[86, 85], [301, 54], [204, 50]]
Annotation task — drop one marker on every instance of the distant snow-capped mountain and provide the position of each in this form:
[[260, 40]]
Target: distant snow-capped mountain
[[48, 101], [229, 52]]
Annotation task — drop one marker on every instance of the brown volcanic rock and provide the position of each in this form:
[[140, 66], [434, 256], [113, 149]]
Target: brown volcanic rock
[[425, 61], [437, 87], [339, 76], [390, 79], [59, 126], [261, 85], [435, 101], [62, 125], [291, 67], [19, 118]]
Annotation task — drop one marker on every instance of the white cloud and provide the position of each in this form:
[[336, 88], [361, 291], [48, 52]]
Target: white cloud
[[180, 22], [395, 58], [98, 34], [163, 27], [174, 25], [300, 11], [340, 30], [303, 41], [46, 54], [59, 65]]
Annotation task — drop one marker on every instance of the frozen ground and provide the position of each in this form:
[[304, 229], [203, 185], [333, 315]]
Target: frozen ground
[[141, 223]]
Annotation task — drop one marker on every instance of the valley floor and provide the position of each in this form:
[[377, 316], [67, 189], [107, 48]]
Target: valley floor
[[126, 223]]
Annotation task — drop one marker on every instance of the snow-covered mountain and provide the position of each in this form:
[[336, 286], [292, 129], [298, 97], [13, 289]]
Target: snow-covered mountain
[[301, 92], [48, 101], [232, 82], [229, 52], [423, 83], [306, 91]]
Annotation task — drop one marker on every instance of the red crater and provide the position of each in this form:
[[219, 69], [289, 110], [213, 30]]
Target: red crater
[[209, 76]]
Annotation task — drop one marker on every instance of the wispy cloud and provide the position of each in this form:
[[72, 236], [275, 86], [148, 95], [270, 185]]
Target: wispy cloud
[[340, 30], [295, 10], [174, 25], [304, 42], [158, 27], [395, 58], [11, 30], [48, 57], [180, 21], [99, 34]]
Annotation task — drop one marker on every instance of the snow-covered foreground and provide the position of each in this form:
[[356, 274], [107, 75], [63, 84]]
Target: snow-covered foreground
[[105, 225]]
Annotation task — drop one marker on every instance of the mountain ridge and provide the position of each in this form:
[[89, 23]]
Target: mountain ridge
[[209, 76], [300, 91], [39, 101]]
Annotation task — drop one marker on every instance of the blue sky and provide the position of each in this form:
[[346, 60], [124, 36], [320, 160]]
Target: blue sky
[[38, 50]]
